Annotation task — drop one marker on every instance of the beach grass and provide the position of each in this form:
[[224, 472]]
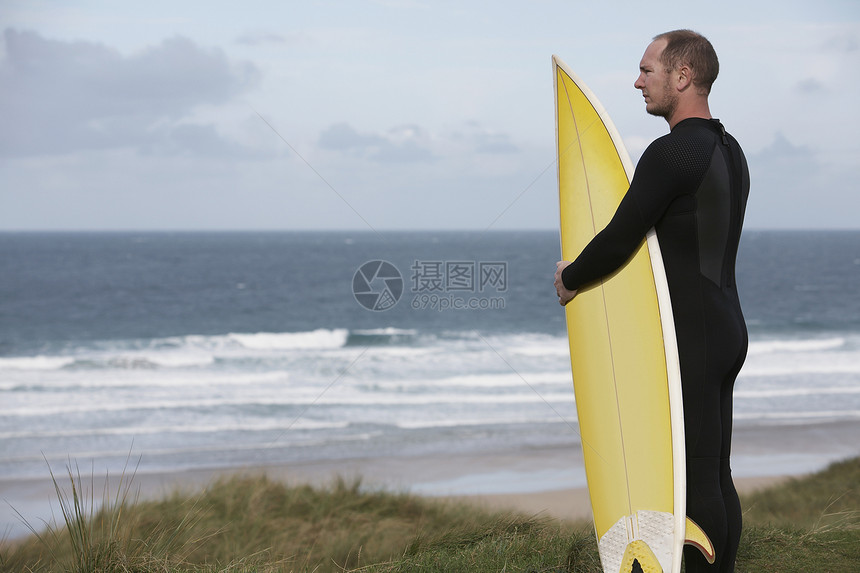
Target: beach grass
[[255, 524]]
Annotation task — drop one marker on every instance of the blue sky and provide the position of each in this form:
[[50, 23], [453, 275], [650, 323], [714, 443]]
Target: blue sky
[[391, 114]]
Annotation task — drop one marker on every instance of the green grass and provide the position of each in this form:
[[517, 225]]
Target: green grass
[[829, 499], [254, 524]]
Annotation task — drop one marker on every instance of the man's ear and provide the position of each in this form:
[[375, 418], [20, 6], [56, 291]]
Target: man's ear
[[683, 78]]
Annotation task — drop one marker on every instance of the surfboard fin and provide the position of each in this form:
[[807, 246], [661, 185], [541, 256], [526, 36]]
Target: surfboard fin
[[699, 539], [638, 557]]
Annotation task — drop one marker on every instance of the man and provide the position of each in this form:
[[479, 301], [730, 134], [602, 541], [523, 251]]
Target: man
[[691, 186]]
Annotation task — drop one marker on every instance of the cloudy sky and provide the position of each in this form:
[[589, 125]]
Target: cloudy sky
[[391, 114]]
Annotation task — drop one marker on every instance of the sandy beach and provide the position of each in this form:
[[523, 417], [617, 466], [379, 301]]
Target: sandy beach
[[539, 481], [547, 481], [573, 504]]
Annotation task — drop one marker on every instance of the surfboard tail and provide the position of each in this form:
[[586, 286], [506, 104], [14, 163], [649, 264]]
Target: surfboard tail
[[639, 543], [699, 539], [639, 558]]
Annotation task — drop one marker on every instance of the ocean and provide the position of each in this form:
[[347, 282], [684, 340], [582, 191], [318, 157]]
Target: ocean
[[186, 351]]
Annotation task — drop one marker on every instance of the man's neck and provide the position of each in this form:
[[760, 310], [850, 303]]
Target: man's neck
[[697, 107]]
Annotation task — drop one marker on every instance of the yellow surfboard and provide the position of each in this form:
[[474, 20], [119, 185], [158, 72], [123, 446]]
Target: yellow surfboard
[[623, 354]]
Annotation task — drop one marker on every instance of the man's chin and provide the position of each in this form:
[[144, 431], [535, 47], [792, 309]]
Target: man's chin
[[657, 111]]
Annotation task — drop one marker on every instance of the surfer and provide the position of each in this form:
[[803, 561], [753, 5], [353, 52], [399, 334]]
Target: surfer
[[691, 185]]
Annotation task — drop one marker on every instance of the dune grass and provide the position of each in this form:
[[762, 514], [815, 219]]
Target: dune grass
[[829, 499], [252, 523], [806, 524]]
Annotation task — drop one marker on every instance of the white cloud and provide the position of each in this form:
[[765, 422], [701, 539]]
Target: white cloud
[[789, 188], [402, 144], [486, 141], [419, 115], [413, 143], [62, 97], [261, 38]]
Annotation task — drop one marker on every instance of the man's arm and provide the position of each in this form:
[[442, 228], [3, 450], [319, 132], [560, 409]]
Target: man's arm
[[656, 183]]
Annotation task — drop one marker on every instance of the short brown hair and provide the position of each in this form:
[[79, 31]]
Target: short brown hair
[[693, 49]]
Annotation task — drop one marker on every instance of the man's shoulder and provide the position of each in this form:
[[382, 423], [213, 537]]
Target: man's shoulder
[[688, 147], [666, 147]]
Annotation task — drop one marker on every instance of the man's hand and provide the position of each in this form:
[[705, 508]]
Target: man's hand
[[564, 295]]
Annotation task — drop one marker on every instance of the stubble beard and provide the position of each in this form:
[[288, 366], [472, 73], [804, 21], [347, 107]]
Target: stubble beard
[[666, 106]]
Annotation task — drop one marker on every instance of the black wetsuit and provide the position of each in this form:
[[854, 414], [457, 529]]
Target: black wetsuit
[[691, 186]]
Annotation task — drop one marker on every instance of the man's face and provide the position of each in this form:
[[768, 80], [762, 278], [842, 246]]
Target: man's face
[[660, 99]]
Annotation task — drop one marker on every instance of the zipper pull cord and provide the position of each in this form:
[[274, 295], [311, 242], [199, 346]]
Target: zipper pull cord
[[723, 132]]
